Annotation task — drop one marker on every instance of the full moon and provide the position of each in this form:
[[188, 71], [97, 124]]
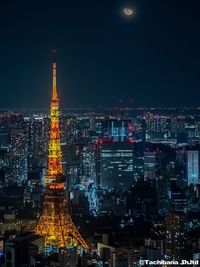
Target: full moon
[[129, 11]]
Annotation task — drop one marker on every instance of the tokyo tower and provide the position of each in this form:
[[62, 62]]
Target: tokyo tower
[[55, 222]]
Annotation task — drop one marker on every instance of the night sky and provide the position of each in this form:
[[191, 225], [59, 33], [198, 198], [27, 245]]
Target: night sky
[[152, 58]]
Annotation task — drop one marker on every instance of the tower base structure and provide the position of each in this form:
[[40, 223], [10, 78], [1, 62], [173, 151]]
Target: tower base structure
[[55, 222]]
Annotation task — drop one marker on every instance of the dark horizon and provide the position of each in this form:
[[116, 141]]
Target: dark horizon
[[102, 56]]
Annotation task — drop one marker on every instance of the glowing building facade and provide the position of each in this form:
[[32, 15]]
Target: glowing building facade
[[18, 156], [116, 165], [193, 167]]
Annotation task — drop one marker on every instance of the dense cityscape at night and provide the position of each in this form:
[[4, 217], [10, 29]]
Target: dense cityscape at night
[[132, 185], [100, 133]]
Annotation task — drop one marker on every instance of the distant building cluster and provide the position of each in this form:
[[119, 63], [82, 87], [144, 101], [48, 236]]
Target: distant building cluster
[[133, 185]]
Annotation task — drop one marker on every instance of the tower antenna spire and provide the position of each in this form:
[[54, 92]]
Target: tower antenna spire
[[54, 94], [54, 55]]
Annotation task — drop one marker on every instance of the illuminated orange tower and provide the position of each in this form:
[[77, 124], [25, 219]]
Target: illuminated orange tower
[[55, 156], [55, 223]]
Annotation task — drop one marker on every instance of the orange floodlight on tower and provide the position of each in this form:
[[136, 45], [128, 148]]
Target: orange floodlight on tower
[[55, 222]]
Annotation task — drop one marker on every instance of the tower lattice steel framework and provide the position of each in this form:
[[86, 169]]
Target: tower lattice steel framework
[[55, 222]]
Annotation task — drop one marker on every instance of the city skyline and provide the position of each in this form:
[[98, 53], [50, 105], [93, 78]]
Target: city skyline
[[99, 133], [103, 57], [130, 183]]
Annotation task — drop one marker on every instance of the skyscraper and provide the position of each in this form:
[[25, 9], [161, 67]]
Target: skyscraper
[[175, 235], [188, 166], [116, 165], [150, 165], [18, 156], [192, 167]]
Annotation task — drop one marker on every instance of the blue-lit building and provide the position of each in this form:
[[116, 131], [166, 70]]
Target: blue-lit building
[[188, 166], [193, 167], [116, 165], [118, 130]]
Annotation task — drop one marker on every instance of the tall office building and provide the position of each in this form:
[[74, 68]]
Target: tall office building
[[192, 167], [18, 156], [175, 235], [188, 166], [37, 140], [87, 162], [68, 129], [116, 165], [151, 164]]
